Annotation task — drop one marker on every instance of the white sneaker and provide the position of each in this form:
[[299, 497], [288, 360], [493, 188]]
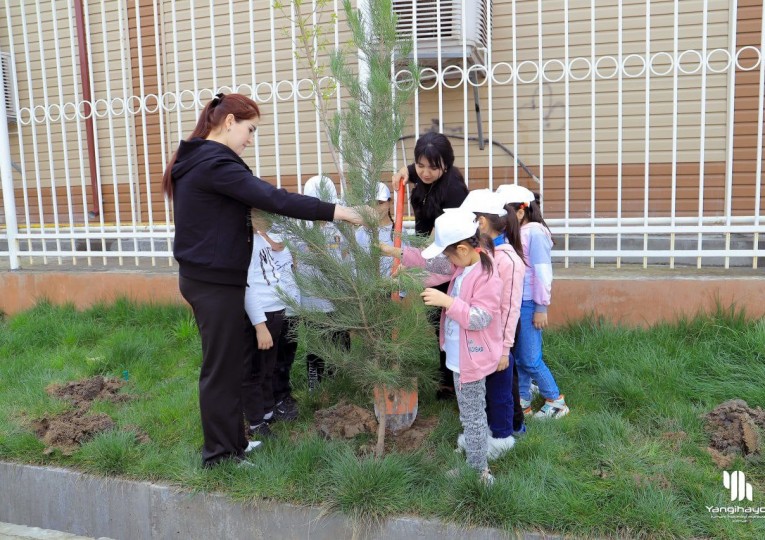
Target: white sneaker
[[553, 408], [252, 445], [497, 447], [487, 478], [460, 443]]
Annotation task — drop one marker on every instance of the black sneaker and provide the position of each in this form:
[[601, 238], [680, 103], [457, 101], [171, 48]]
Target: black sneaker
[[261, 431], [286, 410]]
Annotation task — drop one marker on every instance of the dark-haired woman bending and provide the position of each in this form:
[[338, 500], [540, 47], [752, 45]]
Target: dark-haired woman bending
[[438, 184]]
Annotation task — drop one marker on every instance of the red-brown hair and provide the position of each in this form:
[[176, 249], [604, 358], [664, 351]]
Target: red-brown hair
[[212, 117]]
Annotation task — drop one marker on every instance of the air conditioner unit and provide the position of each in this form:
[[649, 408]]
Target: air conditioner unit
[[9, 85], [427, 20]]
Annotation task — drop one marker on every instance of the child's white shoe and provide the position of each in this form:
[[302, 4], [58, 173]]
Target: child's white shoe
[[497, 447], [487, 478], [460, 443], [553, 408]]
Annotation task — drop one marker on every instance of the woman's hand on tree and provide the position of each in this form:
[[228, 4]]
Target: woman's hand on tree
[[351, 215]]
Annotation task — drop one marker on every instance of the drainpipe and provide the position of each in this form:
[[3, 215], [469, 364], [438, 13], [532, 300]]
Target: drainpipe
[[6, 176], [82, 45]]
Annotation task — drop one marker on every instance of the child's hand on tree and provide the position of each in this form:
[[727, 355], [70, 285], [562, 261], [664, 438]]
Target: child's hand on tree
[[434, 297], [390, 251], [265, 341]]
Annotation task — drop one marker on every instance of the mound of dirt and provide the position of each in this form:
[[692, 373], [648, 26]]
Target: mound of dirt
[[412, 439], [82, 393], [734, 430], [344, 421], [67, 431]]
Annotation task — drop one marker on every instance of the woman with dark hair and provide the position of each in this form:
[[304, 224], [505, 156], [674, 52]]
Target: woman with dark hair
[[438, 184], [213, 191]]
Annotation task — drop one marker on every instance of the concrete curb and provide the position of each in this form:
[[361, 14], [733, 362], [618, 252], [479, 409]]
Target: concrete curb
[[83, 504]]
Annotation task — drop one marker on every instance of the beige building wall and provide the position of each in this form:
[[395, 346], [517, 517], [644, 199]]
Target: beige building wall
[[216, 50]]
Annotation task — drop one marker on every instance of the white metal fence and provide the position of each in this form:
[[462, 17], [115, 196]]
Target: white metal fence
[[640, 124]]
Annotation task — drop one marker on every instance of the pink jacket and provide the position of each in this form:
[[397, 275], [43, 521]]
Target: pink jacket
[[476, 310], [511, 271]]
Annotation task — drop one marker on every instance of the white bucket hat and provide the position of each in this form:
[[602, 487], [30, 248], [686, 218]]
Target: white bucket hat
[[322, 188], [383, 192], [451, 227], [514, 194], [484, 201]]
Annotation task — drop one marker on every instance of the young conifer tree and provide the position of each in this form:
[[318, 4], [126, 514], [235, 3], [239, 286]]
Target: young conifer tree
[[392, 343]]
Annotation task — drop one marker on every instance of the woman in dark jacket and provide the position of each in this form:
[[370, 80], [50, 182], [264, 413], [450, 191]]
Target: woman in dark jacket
[[212, 191], [438, 184]]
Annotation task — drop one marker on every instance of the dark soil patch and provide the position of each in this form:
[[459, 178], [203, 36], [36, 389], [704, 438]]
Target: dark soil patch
[[67, 431], [82, 393], [346, 421], [412, 439], [735, 430]]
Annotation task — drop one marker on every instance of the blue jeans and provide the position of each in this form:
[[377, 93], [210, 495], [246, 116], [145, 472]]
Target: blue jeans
[[499, 401], [528, 357]]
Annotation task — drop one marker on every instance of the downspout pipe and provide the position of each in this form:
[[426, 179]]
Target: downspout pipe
[[82, 46]]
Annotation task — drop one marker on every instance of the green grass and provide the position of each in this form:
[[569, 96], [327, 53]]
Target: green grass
[[606, 470]]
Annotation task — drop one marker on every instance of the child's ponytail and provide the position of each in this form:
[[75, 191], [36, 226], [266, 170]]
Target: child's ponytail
[[512, 231], [483, 244]]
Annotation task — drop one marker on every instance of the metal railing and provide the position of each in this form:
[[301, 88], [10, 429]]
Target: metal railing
[[641, 125]]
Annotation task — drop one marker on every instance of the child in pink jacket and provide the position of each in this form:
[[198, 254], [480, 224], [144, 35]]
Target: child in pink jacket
[[503, 408], [471, 327]]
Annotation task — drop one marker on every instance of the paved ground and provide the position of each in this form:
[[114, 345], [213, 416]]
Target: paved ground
[[9, 531]]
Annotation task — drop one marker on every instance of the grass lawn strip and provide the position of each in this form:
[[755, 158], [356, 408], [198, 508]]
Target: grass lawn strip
[[631, 459]]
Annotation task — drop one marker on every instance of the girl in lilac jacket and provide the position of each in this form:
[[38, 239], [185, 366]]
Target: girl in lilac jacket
[[471, 326], [537, 245]]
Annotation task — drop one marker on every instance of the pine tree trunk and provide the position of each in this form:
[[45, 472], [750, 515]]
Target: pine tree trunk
[[381, 425]]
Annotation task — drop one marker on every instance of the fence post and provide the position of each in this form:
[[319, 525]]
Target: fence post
[[9, 197]]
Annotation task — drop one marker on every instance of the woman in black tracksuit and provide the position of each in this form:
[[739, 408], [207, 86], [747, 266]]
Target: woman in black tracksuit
[[212, 191], [438, 184]]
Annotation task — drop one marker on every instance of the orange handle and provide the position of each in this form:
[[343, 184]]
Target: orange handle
[[398, 226]]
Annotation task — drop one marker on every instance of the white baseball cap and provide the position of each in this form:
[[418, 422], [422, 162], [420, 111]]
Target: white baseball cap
[[320, 187], [513, 193], [484, 201], [383, 192], [451, 227]]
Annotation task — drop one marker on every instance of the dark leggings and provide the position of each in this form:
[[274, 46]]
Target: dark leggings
[[500, 406], [226, 350], [285, 356], [258, 385]]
